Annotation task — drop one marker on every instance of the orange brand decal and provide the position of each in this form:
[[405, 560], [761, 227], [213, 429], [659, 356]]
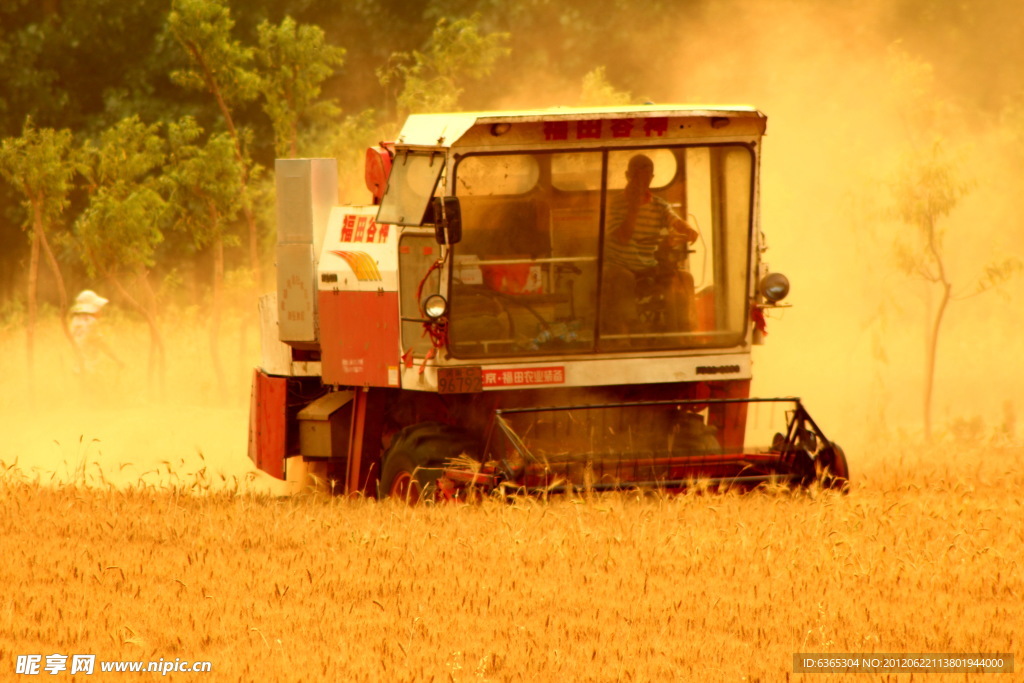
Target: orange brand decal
[[361, 263]]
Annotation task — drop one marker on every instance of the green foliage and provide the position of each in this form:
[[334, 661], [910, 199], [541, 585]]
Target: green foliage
[[70, 59], [121, 226], [26, 83], [433, 80], [295, 61], [206, 183], [928, 188], [995, 274], [218, 63], [125, 154], [120, 233], [39, 165], [599, 92]]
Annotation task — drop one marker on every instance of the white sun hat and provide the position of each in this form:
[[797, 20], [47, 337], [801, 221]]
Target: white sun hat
[[89, 301]]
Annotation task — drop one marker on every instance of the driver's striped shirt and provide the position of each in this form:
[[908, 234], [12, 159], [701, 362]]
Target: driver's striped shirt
[[652, 224]]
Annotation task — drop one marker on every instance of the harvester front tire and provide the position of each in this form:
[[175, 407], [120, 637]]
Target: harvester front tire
[[401, 478], [833, 469], [416, 457]]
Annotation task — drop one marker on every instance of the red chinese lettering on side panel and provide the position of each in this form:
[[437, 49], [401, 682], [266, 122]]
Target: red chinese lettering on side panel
[[511, 377]]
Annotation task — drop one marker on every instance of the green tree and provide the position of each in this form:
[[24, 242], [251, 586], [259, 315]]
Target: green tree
[[121, 226], [40, 165], [295, 61], [434, 79], [30, 86], [206, 198], [926, 192], [221, 66]]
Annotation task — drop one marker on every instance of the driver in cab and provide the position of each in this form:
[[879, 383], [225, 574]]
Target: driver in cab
[[639, 224]]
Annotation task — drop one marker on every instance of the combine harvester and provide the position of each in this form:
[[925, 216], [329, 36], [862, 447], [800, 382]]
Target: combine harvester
[[535, 300]]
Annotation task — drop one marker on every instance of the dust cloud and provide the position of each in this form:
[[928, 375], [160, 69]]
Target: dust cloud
[[115, 424]]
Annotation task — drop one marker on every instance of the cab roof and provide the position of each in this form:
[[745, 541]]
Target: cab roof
[[445, 130]]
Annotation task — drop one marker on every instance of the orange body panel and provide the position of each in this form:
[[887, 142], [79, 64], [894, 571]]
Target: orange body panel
[[359, 338], [267, 423]]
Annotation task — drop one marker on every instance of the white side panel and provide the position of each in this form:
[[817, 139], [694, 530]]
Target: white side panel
[[655, 370], [296, 293], [275, 355], [595, 372], [306, 189]]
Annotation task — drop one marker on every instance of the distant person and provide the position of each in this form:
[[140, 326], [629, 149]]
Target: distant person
[[87, 332], [640, 225]]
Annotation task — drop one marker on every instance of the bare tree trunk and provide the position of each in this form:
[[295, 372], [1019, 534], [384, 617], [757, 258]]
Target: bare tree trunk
[[218, 280], [61, 288], [155, 337], [157, 355], [933, 340], [30, 321], [930, 355]]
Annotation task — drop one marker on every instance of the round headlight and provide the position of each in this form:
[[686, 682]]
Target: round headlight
[[774, 287], [435, 306]]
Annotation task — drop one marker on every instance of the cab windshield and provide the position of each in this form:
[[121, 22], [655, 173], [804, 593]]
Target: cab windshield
[[601, 250]]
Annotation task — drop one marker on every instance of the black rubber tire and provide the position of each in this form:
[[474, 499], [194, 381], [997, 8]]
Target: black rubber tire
[[417, 456], [833, 459], [402, 478]]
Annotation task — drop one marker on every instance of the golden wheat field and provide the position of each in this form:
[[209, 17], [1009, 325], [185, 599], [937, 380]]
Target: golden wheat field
[[133, 529], [619, 587]]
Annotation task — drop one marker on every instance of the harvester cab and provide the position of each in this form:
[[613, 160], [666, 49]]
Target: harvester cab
[[533, 299]]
